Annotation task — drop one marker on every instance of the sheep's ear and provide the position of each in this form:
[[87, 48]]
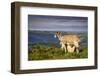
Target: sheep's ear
[[59, 33]]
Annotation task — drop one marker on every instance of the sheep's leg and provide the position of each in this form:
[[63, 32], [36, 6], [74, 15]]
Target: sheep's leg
[[77, 49], [65, 48], [77, 46], [62, 45]]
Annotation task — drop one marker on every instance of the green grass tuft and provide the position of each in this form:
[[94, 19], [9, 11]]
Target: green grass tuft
[[42, 51]]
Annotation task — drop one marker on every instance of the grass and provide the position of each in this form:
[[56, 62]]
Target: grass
[[42, 51]]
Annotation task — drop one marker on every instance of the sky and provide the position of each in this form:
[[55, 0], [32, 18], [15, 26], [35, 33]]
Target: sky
[[57, 23]]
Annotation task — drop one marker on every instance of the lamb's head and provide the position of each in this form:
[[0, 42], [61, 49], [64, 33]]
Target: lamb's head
[[57, 34]]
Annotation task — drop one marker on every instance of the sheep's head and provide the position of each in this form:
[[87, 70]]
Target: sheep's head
[[57, 34]]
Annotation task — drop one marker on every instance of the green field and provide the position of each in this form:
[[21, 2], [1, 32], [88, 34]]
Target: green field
[[42, 51]]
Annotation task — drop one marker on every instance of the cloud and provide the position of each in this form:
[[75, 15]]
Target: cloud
[[36, 22]]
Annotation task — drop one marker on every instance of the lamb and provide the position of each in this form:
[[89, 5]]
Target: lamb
[[68, 40], [70, 48]]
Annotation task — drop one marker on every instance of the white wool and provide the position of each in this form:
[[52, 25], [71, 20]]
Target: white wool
[[70, 49]]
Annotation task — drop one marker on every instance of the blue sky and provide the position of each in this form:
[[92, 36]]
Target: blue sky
[[57, 23]]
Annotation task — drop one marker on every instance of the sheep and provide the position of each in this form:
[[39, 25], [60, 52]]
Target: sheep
[[67, 47], [68, 39]]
